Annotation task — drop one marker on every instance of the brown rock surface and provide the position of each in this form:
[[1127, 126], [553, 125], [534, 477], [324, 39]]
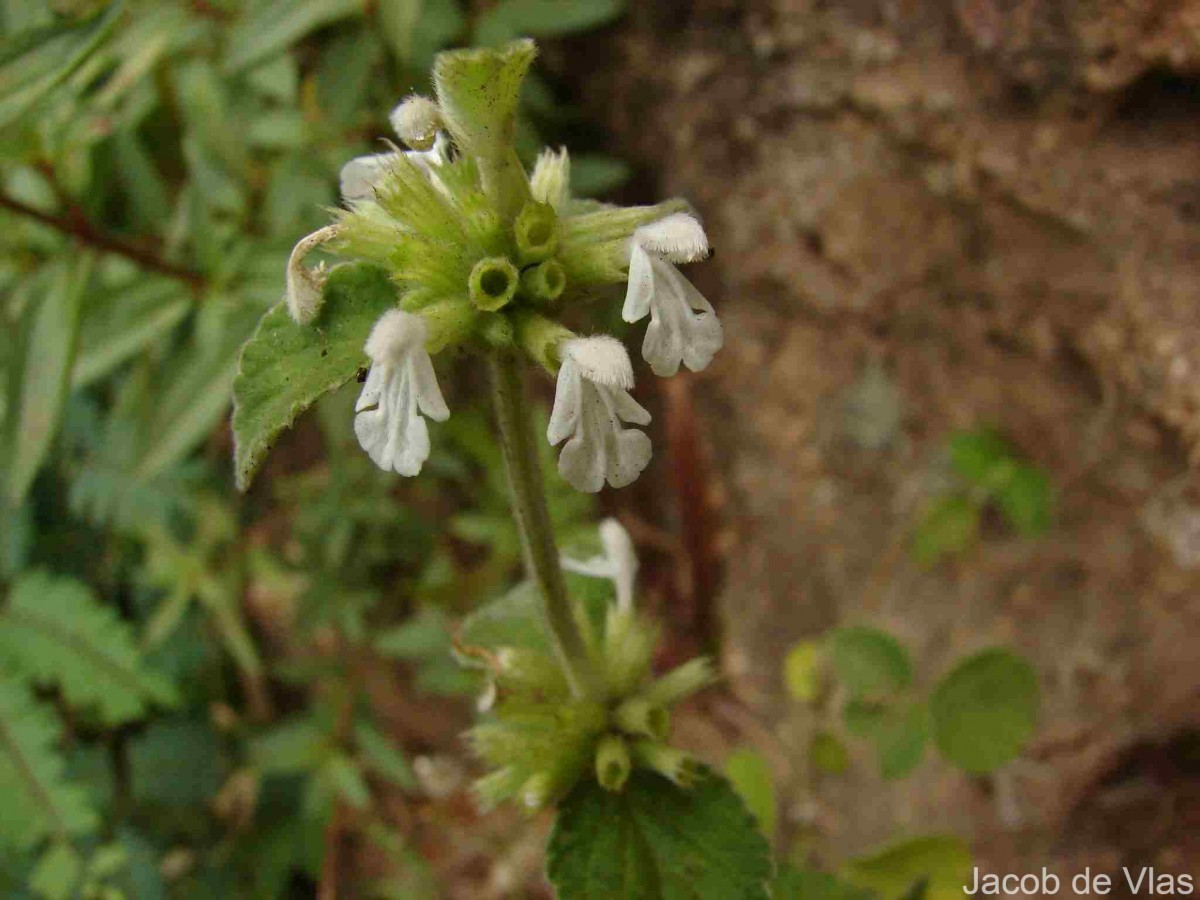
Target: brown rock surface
[[931, 216]]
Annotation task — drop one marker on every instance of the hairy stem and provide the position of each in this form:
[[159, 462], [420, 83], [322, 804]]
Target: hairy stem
[[519, 441]]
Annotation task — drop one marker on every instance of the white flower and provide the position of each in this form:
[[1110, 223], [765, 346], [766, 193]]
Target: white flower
[[400, 387], [683, 325], [618, 562], [591, 402], [303, 285], [361, 176]]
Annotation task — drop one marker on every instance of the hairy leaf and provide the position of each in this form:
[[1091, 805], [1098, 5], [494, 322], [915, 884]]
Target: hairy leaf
[[38, 802], [655, 841], [286, 367], [750, 774], [54, 631], [798, 884]]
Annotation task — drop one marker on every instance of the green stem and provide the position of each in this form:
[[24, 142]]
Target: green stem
[[519, 440]]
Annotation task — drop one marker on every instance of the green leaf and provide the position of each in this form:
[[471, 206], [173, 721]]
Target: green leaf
[[54, 631], [943, 863], [286, 367], [828, 753], [750, 775], [515, 620], [511, 19], [38, 802], [177, 763], [976, 454], [271, 26], [900, 741], [1027, 500], [34, 64], [654, 841], [869, 662], [383, 755], [424, 635], [594, 176], [950, 526], [39, 376], [297, 745], [798, 884], [123, 323], [802, 671], [345, 778], [56, 873], [984, 710]]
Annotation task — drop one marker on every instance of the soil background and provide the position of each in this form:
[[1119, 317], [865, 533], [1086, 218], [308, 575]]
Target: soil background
[[931, 216]]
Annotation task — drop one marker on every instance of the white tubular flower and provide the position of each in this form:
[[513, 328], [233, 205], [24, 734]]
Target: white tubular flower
[[400, 387], [683, 325], [303, 284], [591, 402], [618, 562], [362, 175]]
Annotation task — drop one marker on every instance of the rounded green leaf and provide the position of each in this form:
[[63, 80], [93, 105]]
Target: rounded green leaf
[[984, 710], [286, 367], [976, 454], [943, 864], [950, 526], [750, 775], [1027, 500], [869, 661], [655, 841]]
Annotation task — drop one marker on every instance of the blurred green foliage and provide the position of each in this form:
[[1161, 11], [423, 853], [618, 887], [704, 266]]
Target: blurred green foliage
[[182, 703], [988, 474]]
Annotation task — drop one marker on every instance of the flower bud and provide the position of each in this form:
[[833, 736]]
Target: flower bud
[[417, 121]]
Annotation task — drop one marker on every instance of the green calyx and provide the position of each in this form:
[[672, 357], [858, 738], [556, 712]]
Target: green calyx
[[493, 283], [544, 283], [535, 232], [541, 741]]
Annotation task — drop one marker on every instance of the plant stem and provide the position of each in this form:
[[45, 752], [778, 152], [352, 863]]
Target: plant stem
[[519, 441], [80, 228]]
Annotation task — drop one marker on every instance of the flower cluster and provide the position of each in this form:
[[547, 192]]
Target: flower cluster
[[541, 740], [491, 258]]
